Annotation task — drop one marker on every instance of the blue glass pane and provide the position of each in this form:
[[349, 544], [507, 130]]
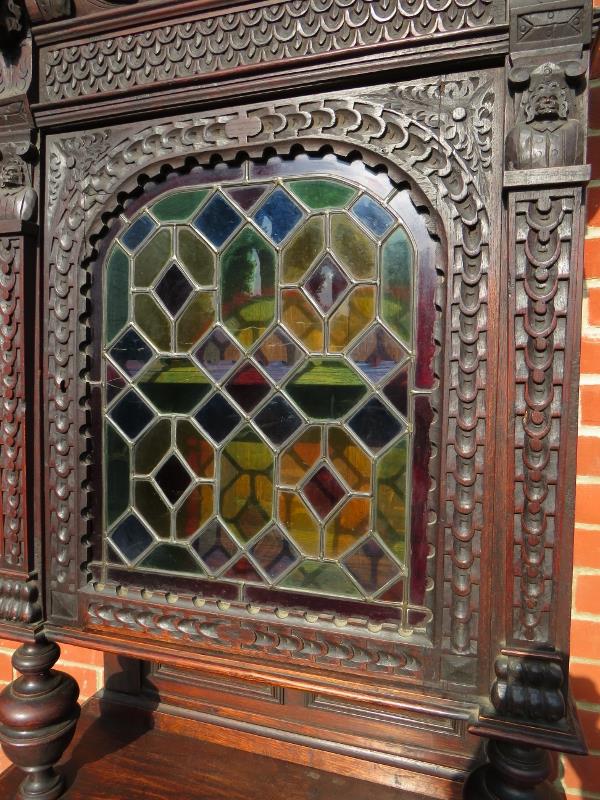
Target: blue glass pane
[[278, 420], [132, 414], [131, 352], [373, 216], [278, 215], [138, 232], [375, 425], [217, 220], [131, 537], [218, 417]]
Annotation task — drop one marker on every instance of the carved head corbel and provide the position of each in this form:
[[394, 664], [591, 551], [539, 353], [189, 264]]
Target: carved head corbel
[[545, 133]]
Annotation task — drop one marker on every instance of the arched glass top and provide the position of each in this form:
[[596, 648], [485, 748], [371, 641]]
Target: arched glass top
[[259, 391]]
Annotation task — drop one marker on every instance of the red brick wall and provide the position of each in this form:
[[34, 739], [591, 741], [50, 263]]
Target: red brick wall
[[581, 776]]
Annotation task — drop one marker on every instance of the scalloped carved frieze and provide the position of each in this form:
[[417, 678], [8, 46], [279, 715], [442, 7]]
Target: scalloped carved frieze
[[278, 32], [543, 229], [316, 647], [12, 409], [384, 137]]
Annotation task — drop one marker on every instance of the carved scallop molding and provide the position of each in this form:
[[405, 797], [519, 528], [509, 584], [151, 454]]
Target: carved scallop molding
[[220, 42]]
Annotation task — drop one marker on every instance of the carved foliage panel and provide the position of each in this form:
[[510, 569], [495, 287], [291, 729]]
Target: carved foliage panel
[[81, 190], [543, 229]]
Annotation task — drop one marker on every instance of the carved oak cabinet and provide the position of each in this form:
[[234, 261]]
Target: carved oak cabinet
[[290, 302]]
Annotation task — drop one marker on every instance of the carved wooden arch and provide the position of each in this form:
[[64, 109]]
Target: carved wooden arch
[[385, 139]]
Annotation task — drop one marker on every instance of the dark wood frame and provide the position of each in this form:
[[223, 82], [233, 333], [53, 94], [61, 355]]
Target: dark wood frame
[[92, 120]]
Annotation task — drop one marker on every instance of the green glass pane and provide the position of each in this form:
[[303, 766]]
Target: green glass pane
[[152, 321], [117, 474], [178, 207], [352, 246], [152, 258], [197, 508], [396, 284], [196, 256], [320, 193], [322, 577], [303, 250], [172, 558], [390, 511], [152, 507], [174, 385], [196, 450], [246, 491], [117, 292], [150, 449], [248, 286], [197, 318], [326, 388]]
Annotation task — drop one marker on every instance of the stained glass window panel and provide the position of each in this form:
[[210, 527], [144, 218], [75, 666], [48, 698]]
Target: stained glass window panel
[[259, 390]]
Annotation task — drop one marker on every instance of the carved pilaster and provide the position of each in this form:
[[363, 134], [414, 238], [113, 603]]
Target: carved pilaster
[[544, 183], [19, 593]]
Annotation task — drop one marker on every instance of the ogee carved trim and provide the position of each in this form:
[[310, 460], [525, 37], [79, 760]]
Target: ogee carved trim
[[12, 413], [276, 32], [543, 226], [345, 122], [317, 647], [529, 687], [19, 600]]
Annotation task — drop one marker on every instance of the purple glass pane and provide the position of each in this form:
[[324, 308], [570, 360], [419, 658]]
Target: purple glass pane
[[215, 546], [323, 491], [326, 284], [274, 553], [377, 354], [396, 391], [247, 196], [371, 566], [248, 386], [278, 354]]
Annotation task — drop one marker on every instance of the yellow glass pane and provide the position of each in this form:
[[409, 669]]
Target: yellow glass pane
[[352, 317], [350, 460], [348, 525], [302, 319], [195, 511], [246, 496], [299, 457], [300, 523], [391, 498], [352, 246], [195, 320], [301, 253], [152, 321]]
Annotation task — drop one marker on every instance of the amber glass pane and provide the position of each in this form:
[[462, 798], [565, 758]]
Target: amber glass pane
[[246, 491], [303, 250], [300, 523], [352, 317], [299, 457], [301, 319]]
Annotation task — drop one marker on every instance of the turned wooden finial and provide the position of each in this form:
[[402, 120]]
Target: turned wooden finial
[[38, 715]]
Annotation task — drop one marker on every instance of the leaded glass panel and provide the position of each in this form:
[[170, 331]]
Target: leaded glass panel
[[260, 400]]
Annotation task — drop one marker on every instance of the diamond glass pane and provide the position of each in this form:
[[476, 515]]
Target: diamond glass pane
[[261, 419]]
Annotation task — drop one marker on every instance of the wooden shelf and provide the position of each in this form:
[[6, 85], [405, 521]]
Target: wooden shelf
[[124, 753]]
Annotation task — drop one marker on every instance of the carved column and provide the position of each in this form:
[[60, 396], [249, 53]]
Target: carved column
[[38, 711], [544, 218], [38, 715]]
